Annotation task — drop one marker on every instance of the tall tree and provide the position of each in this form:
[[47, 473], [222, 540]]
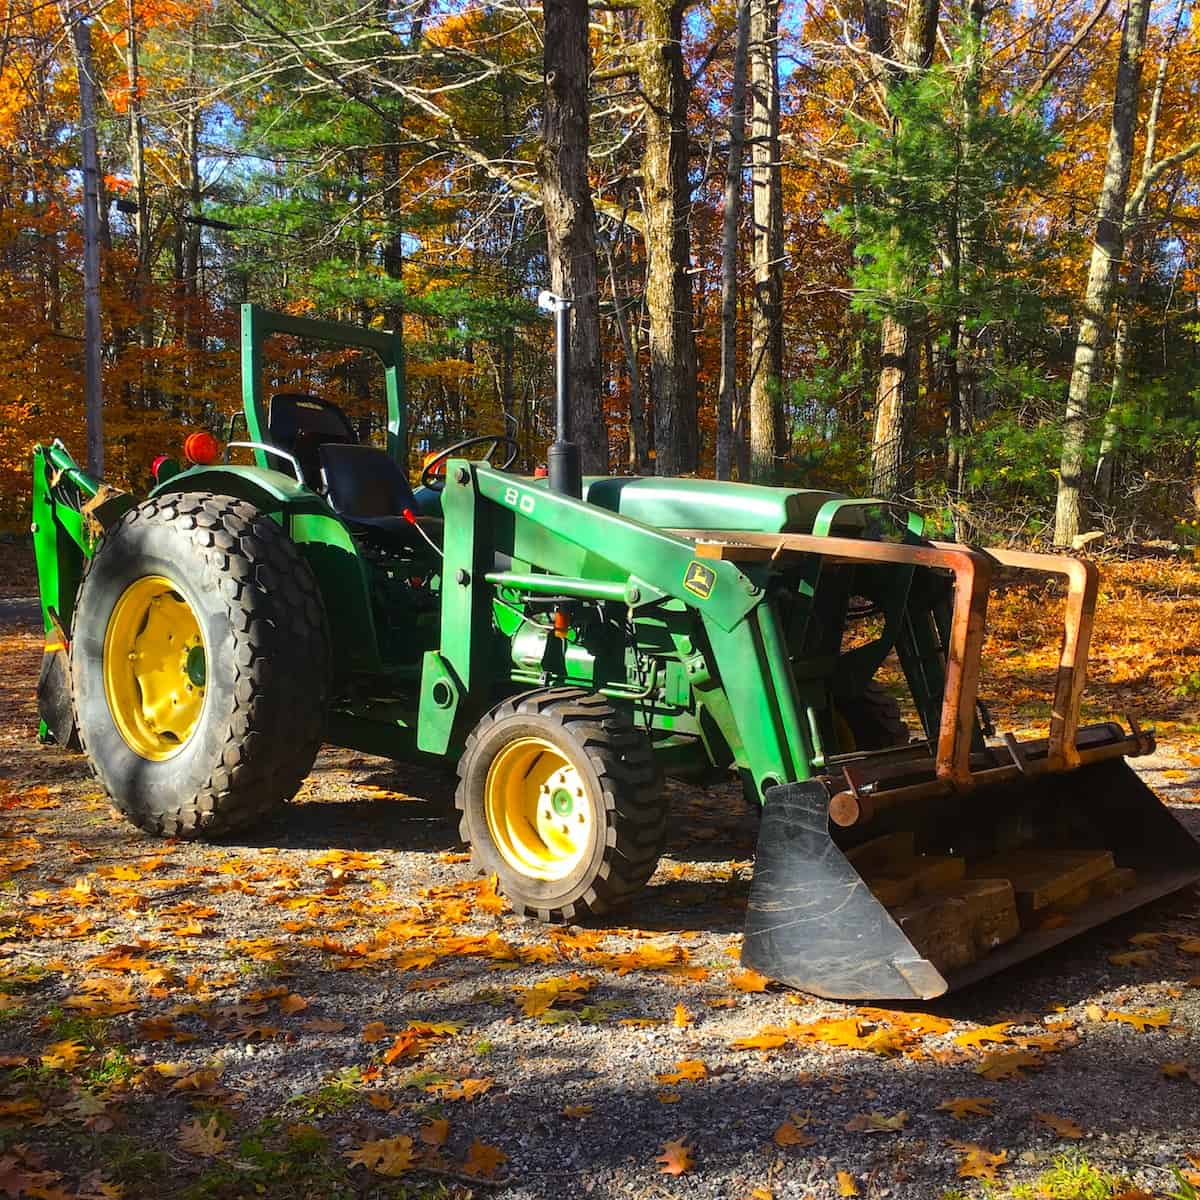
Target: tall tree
[[80, 29], [730, 221], [1107, 249], [570, 216], [766, 320], [667, 204], [899, 62]]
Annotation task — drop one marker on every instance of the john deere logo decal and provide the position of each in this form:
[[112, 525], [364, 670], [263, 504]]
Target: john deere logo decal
[[699, 580]]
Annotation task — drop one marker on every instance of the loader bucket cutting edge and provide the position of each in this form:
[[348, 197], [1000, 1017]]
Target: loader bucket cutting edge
[[814, 923]]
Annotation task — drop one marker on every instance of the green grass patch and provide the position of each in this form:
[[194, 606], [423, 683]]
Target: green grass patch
[[338, 1093], [1071, 1178]]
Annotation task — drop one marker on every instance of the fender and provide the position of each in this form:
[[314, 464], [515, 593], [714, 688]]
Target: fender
[[320, 536]]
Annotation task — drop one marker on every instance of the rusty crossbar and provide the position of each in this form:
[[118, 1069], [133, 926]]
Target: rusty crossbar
[[973, 571]]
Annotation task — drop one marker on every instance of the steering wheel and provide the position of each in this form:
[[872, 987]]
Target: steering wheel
[[434, 474]]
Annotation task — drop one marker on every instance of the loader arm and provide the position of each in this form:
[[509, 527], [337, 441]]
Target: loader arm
[[582, 550]]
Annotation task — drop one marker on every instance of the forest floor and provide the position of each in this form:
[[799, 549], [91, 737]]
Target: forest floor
[[333, 1006]]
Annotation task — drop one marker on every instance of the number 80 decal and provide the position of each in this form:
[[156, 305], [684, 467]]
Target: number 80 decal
[[515, 498]]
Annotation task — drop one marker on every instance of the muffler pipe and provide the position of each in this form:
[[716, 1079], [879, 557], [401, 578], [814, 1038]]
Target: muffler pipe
[[562, 459]]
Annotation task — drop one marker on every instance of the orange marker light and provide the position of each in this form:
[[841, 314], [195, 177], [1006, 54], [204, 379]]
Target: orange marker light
[[201, 448], [562, 623]]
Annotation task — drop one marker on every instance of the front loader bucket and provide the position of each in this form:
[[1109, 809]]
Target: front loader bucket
[[1077, 847]]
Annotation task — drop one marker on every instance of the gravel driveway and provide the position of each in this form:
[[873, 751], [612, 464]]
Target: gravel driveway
[[256, 990]]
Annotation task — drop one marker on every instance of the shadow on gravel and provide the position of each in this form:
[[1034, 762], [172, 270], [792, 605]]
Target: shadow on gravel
[[1110, 1083]]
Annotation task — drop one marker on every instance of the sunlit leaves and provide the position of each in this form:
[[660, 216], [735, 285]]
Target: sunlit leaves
[[675, 1158], [978, 1162], [689, 1071], [385, 1156]]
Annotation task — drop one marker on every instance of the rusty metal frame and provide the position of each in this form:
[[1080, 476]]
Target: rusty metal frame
[[972, 571], [1083, 585]]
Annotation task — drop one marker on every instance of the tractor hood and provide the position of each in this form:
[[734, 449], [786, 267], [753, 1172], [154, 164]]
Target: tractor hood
[[712, 504]]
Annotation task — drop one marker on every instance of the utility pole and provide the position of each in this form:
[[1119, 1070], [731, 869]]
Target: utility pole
[[81, 39]]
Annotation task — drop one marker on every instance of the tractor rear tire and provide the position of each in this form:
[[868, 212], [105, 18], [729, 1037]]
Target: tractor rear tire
[[562, 799], [873, 719], [199, 665]]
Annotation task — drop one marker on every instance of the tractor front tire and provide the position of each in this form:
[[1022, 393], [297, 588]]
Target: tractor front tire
[[199, 665], [872, 720], [561, 799]]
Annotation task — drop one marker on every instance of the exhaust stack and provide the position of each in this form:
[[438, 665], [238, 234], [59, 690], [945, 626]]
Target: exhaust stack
[[566, 472]]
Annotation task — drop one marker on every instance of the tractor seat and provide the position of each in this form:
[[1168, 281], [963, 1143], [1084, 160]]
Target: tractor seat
[[301, 424], [366, 488]]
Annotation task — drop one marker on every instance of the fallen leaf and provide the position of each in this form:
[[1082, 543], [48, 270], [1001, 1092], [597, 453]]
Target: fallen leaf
[[690, 1069], [846, 1184], [578, 1111], [676, 1158], [435, 1133], [1142, 1019], [1007, 1064], [462, 1089], [322, 1025], [748, 981], [977, 1162], [292, 1004], [482, 1159], [62, 1056], [961, 1107], [385, 1156], [535, 1000], [376, 1031], [682, 1018], [1133, 958], [1063, 1126], [791, 1132], [766, 1040], [983, 1033], [205, 1139], [876, 1123]]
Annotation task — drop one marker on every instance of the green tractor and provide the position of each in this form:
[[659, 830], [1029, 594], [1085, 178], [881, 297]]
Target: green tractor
[[568, 642]]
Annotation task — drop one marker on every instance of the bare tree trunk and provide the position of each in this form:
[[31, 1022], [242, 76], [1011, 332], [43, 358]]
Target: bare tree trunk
[[1102, 273], [636, 454], [81, 39], [966, 240], [766, 323], [891, 409], [1134, 207], [731, 219], [570, 216], [666, 202]]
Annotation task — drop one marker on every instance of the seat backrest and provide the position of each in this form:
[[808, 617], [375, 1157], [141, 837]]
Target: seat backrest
[[362, 481], [300, 424]]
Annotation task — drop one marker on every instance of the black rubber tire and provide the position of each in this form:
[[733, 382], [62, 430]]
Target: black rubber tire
[[619, 767], [267, 652], [873, 719]]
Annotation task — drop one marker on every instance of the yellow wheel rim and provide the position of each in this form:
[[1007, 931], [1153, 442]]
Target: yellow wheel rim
[[155, 668], [539, 810]]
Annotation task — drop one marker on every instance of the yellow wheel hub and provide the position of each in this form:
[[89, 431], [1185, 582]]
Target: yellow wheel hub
[[155, 668], [539, 811]]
